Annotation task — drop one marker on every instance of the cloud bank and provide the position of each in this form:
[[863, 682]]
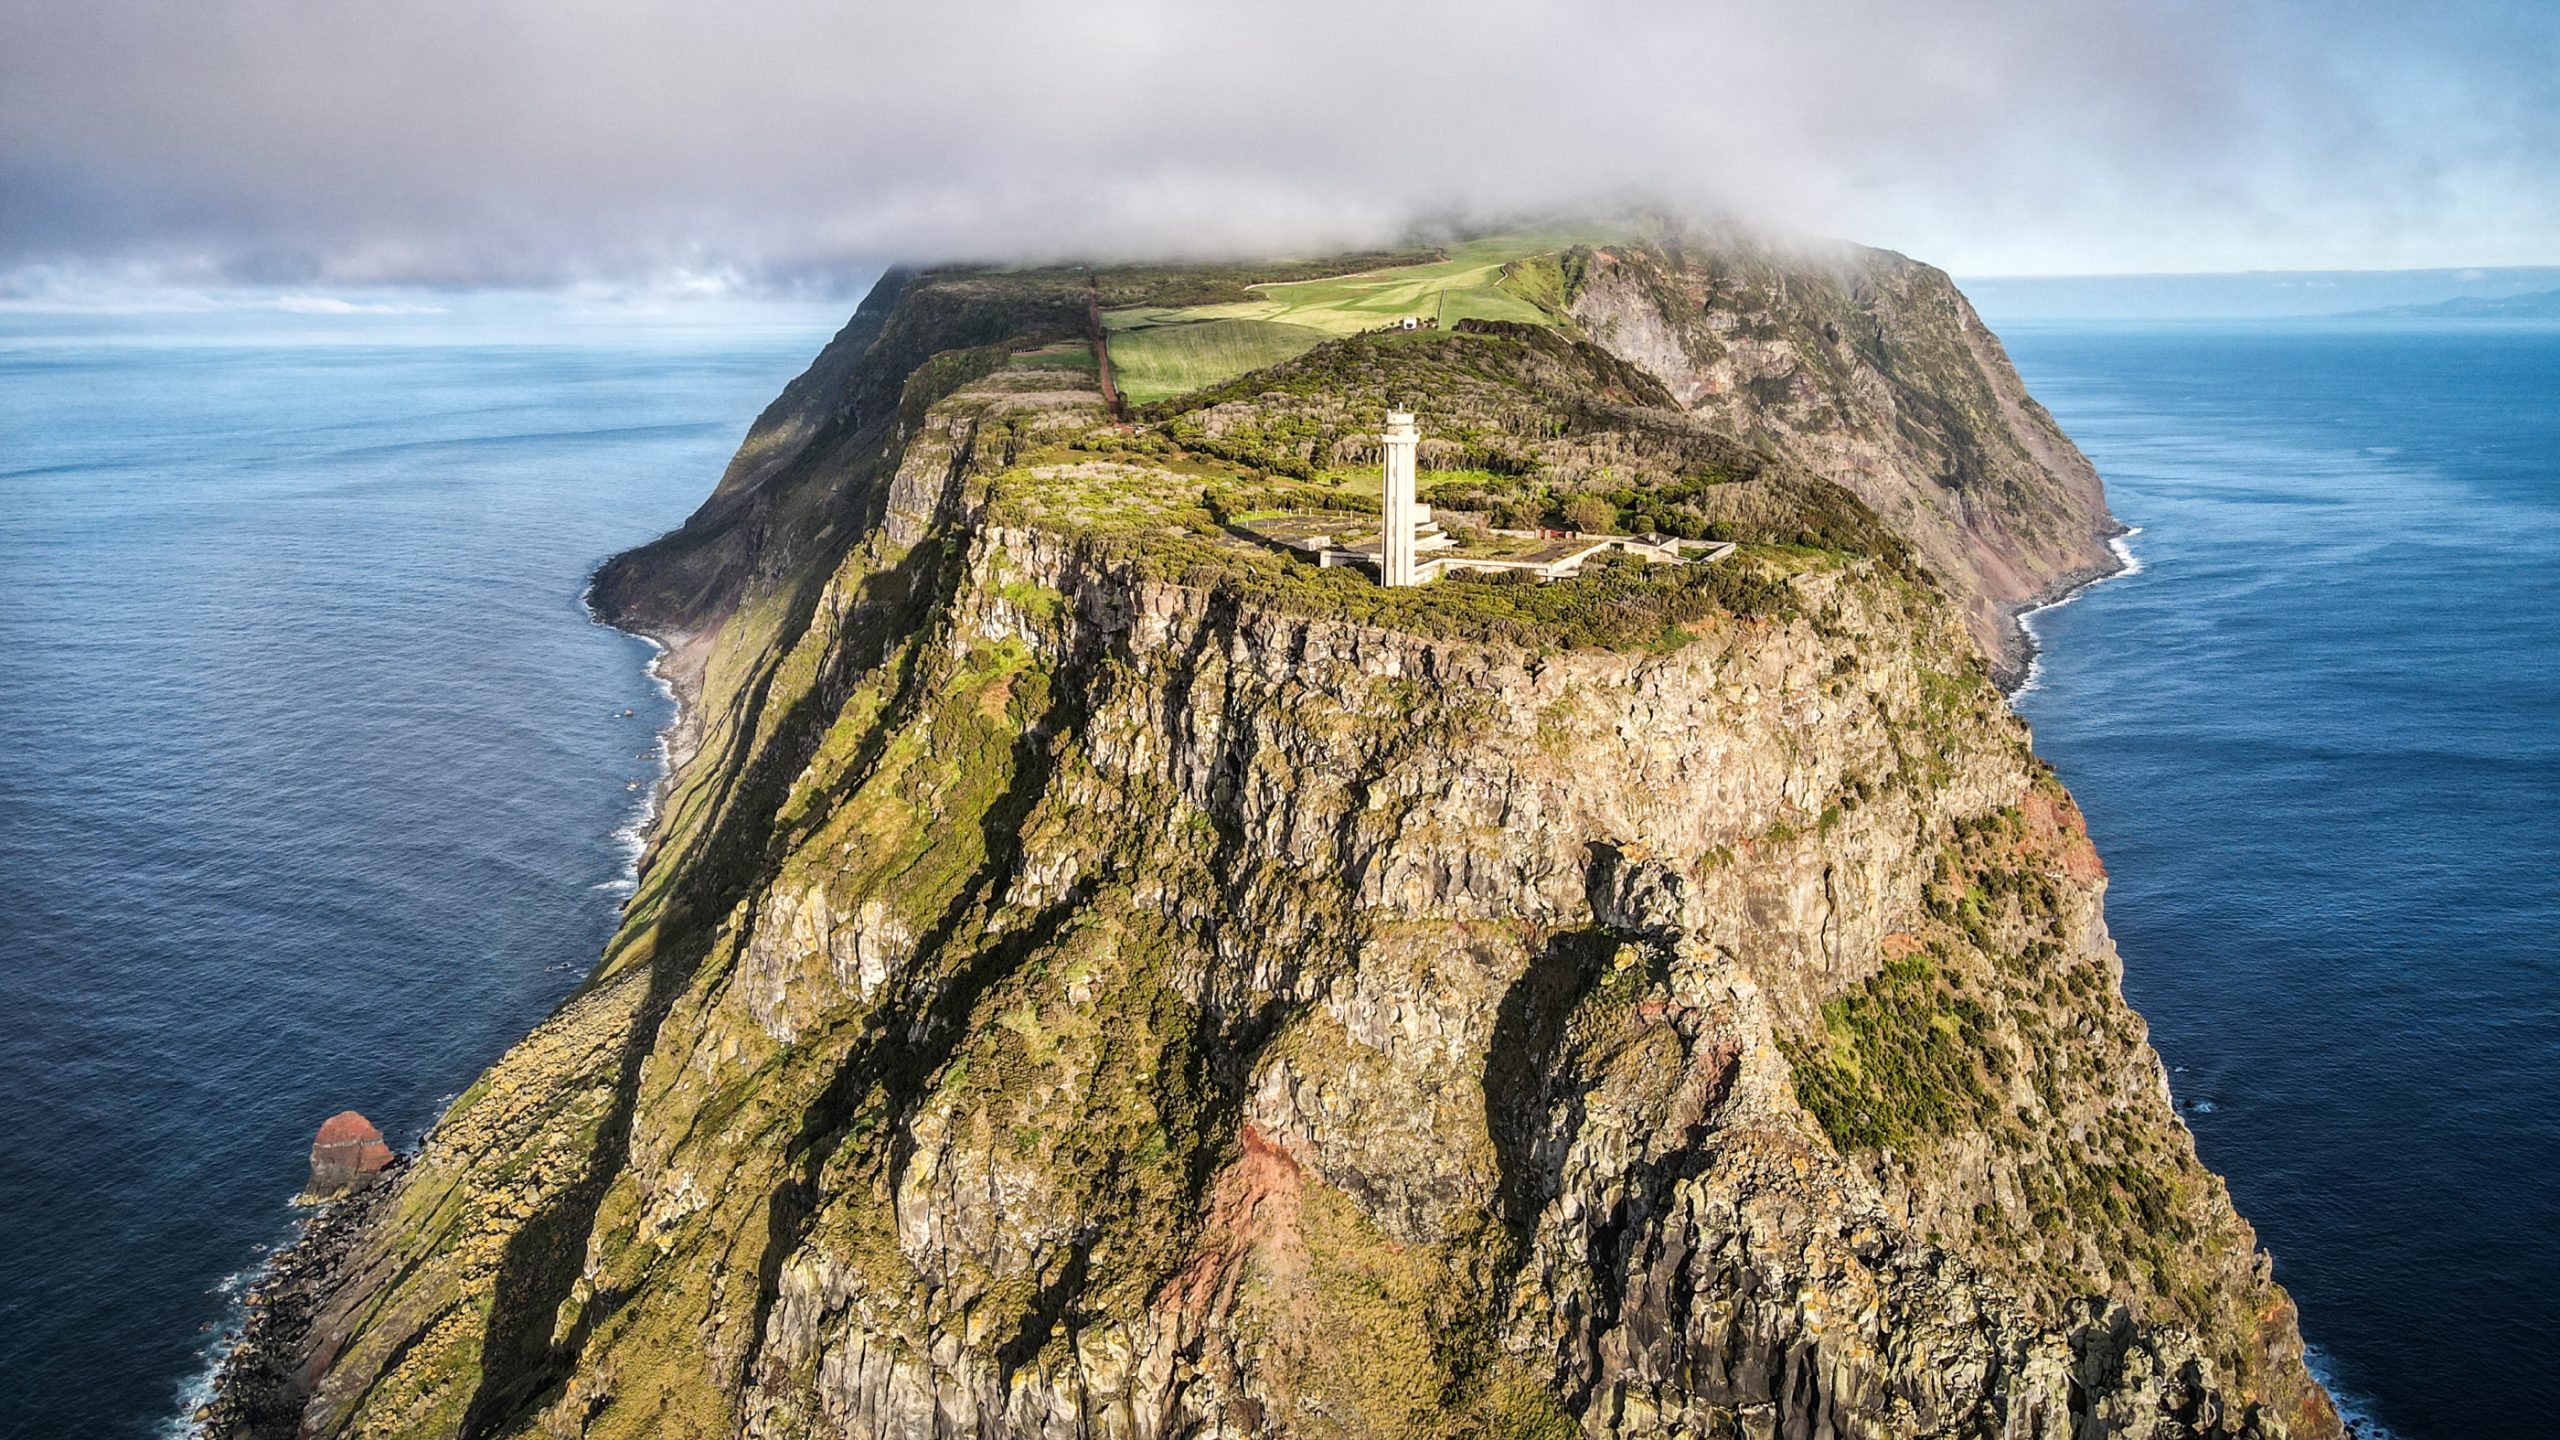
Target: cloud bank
[[782, 145]]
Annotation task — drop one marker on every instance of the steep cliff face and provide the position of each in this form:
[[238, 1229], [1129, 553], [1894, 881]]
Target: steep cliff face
[[1872, 370], [1099, 977]]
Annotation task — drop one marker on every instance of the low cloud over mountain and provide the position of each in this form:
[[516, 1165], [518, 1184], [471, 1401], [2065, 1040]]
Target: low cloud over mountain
[[788, 144]]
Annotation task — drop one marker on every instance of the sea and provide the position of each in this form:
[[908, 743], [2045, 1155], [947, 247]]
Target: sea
[[318, 786], [2315, 729]]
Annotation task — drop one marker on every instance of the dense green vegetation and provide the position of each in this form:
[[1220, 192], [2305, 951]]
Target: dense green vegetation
[[1904, 1056], [1166, 523], [1525, 426]]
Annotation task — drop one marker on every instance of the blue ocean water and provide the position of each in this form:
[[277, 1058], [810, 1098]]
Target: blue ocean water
[[315, 780], [2317, 738]]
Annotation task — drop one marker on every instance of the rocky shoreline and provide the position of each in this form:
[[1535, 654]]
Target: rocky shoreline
[[261, 1384], [2015, 680], [259, 1388]]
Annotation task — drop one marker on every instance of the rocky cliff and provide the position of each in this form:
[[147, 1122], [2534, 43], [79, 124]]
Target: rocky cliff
[[1099, 976], [1873, 370]]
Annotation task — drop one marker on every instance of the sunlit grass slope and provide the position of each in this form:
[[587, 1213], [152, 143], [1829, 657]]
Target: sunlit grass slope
[[1474, 282], [1162, 352], [1157, 362]]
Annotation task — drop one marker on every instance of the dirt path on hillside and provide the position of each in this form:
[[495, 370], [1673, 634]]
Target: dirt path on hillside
[[1102, 348]]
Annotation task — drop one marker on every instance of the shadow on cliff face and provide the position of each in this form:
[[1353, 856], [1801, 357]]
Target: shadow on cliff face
[[519, 1362], [1522, 1085], [888, 1073], [1539, 1076], [1528, 1072]]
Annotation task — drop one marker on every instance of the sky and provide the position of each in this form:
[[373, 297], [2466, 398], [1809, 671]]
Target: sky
[[308, 150]]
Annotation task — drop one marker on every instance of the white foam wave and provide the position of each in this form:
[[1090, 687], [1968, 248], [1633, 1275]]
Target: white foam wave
[[633, 834], [2355, 1409], [222, 1336], [631, 837], [2127, 564]]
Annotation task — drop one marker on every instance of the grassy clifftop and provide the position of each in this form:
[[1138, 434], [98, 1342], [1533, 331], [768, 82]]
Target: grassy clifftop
[[1168, 350], [1722, 357]]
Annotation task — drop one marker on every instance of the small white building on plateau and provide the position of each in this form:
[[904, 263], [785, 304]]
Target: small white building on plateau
[[1399, 512]]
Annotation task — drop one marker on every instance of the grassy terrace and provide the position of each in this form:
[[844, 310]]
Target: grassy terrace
[[1161, 351], [1525, 425], [1179, 516], [1158, 362]]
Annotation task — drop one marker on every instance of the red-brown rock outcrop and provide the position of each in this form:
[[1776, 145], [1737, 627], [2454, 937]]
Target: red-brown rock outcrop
[[348, 1152]]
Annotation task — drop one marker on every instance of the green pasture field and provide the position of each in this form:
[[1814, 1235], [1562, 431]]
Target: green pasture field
[[1157, 353], [1467, 285], [1066, 354], [1063, 354], [1159, 361]]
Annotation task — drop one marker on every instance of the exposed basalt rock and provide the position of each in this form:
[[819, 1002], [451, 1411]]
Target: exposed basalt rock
[[265, 1377], [1635, 895], [1093, 981]]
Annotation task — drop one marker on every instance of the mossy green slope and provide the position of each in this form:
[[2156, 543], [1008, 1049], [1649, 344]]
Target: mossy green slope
[[1158, 362]]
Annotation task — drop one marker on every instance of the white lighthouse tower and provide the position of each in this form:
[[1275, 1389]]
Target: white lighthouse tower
[[1399, 513]]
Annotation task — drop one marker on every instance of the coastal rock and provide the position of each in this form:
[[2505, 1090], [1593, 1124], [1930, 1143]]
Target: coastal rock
[[348, 1152], [266, 1374]]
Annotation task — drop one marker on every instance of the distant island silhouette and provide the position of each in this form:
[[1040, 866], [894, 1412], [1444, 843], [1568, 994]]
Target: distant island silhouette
[[2541, 305]]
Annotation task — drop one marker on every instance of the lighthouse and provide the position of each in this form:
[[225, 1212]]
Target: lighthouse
[[1399, 513]]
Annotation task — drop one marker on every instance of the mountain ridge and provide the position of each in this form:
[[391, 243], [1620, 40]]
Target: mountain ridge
[[2542, 305]]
